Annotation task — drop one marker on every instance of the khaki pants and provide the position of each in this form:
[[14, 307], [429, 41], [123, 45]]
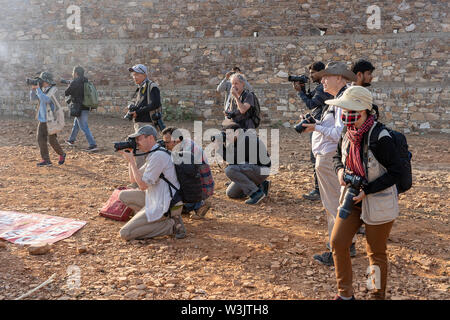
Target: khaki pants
[[341, 239], [138, 227], [43, 137]]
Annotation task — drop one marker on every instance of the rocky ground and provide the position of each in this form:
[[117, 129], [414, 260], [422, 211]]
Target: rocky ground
[[235, 252]]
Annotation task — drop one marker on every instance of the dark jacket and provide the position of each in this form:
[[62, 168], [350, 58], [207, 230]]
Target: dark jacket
[[76, 91], [315, 100], [231, 153], [146, 102]]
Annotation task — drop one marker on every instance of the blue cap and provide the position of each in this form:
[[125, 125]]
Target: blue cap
[[139, 68]]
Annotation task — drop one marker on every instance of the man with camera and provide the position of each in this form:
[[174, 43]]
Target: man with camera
[[326, 134], [175, 142], [314, 101], [368, 165], [157, 205], [76, 93], [43, 89], [225, 86], [248, 164]]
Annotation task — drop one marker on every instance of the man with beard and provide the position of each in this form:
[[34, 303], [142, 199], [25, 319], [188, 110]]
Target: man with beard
[[363, 70]]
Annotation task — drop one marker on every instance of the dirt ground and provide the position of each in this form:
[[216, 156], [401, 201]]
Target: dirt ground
[[236, 252]]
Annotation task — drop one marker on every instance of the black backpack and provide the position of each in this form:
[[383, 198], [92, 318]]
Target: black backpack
[[401, 145], [188, 175], [255, 112]]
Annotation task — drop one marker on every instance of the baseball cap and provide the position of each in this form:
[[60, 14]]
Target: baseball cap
[[139, 68], [147, 130]]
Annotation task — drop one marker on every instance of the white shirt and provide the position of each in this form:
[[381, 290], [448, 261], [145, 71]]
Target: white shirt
[[328, 132], [157, 195]]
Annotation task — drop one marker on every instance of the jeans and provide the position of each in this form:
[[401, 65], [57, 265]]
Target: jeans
[[245, 179], [82, 122], [188, 207]]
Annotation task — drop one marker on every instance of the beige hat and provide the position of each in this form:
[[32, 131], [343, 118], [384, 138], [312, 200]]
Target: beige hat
[[337, 69], [354, 98]]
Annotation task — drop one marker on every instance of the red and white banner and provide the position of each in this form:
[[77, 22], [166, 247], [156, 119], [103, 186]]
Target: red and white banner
[[32, 228]]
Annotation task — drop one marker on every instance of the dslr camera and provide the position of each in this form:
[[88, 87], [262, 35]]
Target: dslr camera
[[34, 82], [354, 183], [301, 79], [131, 108], [157, 121], [308, 119], [65, 81], [230, 114], [129, 144]]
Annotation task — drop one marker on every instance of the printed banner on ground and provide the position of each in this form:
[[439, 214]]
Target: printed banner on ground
[[33, 228]]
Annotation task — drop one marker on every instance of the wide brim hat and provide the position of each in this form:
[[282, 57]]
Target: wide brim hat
[[355, 98], [337, 69]]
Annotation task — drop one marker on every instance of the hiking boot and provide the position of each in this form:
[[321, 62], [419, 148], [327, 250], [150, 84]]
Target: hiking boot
[[70, 143], [201, 212], [313, 195], [325, 258], [92, 148], [353, 250], [178, 228], [266, 187], [44, 163], [62, 159], [338, 297], [256, 197]]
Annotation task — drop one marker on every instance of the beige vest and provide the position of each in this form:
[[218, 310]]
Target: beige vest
[[381, 207]]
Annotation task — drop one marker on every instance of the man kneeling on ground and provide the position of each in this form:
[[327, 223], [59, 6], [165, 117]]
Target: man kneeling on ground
[[157, 206]]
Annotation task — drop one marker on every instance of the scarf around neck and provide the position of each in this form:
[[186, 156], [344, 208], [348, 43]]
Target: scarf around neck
[[355, 136]]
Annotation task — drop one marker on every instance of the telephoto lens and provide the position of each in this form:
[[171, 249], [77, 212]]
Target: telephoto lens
[[129, 144], [355, 183]]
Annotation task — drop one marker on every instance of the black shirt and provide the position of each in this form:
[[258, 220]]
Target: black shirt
[[145, 106], [76, 91]]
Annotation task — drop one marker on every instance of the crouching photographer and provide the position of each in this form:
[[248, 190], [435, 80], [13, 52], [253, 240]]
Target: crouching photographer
[[314, 100], [157, 205], [369, 166]]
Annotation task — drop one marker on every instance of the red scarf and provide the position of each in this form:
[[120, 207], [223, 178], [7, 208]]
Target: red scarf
[[354, 162]]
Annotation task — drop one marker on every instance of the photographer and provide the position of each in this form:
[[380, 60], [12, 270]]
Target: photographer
[[314, 101], [43, 89], [376, 205], [180, 144], [241, 110], [225, 86], [248, 164], [76, 93], [147, 106], [326, 134], [158, 210]]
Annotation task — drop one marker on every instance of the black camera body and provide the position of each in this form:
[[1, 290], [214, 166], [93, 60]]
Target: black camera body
[[131, 108], [301, 79], [34, 82], [230, 114], [65, 81], [355, 183], [129, 144], [308, 120]]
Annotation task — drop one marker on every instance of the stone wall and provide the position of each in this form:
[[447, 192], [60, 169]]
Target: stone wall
[[189, 45]]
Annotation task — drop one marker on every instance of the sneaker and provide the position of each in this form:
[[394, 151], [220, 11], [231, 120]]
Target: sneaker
[[178, 228], [70, 143], [92, 148], [325, 258], [266, 187], [313, 195], [256, 197], [201, 212], [338, 297], [62, 159], [353, 250], [44, 163]]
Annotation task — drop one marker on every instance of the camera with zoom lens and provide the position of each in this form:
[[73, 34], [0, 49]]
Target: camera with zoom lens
[[66, 81], [308, 120], [230, 114], [157, 121], [301, 79], [354, 183], [34, 82], [222, 135], [131, 108], [123, 145]]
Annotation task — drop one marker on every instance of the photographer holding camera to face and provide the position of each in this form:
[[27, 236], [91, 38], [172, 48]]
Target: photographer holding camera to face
[[225, 86], [368, 164], [314, 101], [76, 93], [49, 116]]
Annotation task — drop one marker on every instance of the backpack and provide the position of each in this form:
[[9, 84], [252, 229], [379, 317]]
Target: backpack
[[401, 145], [255, 112], [90, 95], [188, 175]]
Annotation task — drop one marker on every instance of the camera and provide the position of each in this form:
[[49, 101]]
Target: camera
[[66, 81], [355, 183], [229, 114], [157, 121], [302, 79], [222, 135], [129, 144], [34, 82], [308, 120], [161, 143], [131, 108]]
